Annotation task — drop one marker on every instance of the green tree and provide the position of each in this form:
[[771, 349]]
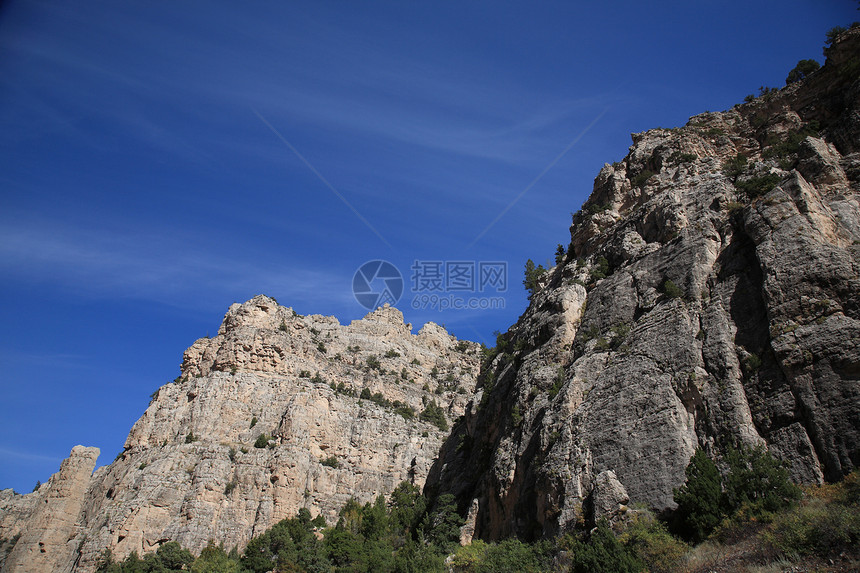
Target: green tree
[[604, 554], [700, 499], [559, 254], [407, 507], [174, 557], [533, 274], [106, 564], [832, 34], [757, 482], [600, 269], [801, 71], [442, 525], [418, 557], [672, 290], [434, 414], [213, 559], [514, 556]]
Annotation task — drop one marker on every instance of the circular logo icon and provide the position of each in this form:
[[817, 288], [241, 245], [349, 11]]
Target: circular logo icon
[[376, 283]]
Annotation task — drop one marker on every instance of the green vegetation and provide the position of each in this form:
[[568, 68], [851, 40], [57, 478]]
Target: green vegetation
[[533, 275], [642, 178], [758, 186], [832, 34], [560, 253], [788, 146], [411, 533], [434, 414], [402, 535], [169, 557], [602, 552], [826, 524], [191, 438], [510, 555], [391, 353], [341, 388], [262, 440], [373, 362], [408, 412], [672, 290], [331, 462], [752, 363], [734, 167], [600, 269], [677, 158], [650, 541], [700, 499], [766, 93], [596, 208], [802, 70], [557, 383], [755, 487], [516, 415], [618, 334]]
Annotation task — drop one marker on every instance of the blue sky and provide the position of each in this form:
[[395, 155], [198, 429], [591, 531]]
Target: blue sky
[[162, 160]]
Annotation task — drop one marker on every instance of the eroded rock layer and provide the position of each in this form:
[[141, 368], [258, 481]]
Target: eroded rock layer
[[710, 295], [195, 468]]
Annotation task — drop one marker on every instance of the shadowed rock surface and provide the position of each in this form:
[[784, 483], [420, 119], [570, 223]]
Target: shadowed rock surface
[[710, 295]]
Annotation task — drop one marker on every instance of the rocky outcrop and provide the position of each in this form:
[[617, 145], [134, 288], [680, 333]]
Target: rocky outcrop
[[48, 539], [266, 418], [710, 295]]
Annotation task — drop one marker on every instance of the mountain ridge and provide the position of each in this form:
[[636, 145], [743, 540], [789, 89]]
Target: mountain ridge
[[708, 296], [276, 413]]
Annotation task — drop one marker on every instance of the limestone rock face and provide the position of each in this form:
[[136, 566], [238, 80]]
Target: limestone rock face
[[710, 295], [48, 539], [608, 498], [190, 471]]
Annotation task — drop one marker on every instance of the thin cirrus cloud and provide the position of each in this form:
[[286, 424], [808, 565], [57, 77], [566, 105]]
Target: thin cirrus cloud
[[28, 457], [145, 266], [368, 95]]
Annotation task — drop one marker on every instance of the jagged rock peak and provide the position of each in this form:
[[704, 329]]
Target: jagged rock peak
[[709, 296], [385, 314], [275, 413], [56, 510]]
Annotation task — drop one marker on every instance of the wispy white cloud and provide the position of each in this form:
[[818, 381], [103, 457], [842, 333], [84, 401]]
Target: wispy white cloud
[[52, 359], [148, 265], [28, 456]]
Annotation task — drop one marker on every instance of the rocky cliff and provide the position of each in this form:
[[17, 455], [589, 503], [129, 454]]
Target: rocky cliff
[[710, 295], [195, 466]]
